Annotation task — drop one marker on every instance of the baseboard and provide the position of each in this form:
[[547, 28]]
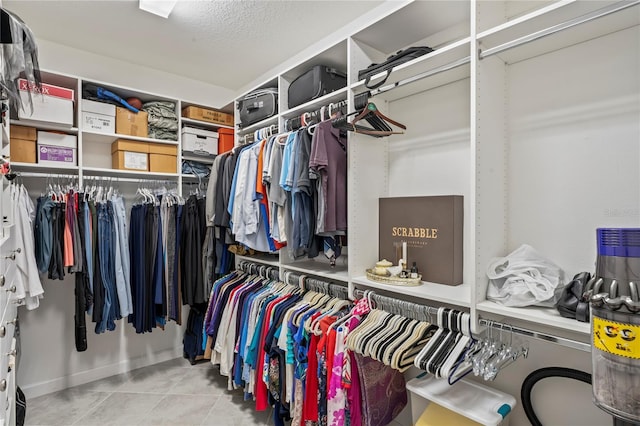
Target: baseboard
[[80, 378]]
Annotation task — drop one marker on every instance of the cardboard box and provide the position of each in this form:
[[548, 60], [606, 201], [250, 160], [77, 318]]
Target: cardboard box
[[432, 228], [23, 132], [199, 142], [51, 104], [130, 123], [130, 155], [163, 148], [98, 117], [57, 149], [225, 140], [162, 163], [128, 160], [22, 151], [208, 115], [131, 146]]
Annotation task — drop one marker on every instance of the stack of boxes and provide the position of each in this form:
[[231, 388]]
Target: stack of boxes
[[224, 136], [51, 104]]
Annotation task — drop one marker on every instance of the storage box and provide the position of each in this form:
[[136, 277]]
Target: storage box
[[98, 117], [431, 227], [130, 123], [52, 104], [208, 115], [22, 150], [225, 140], [162, 163], [199, 142], [23, 132], [130, 155], [57, 149]]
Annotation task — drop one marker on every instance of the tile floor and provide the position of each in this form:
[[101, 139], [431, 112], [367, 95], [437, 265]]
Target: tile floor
[[170, 393]]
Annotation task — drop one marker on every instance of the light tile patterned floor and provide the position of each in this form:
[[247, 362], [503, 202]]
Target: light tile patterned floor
[[170, 393]]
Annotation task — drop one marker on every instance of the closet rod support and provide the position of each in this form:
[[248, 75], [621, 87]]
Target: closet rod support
[[559, 27], [570, 343]]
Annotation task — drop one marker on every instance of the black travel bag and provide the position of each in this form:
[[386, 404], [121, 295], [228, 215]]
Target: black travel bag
[[392, 61], [257, 106], [316, 82]]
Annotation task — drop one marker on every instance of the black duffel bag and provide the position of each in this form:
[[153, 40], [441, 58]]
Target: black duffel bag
[[400, 57]]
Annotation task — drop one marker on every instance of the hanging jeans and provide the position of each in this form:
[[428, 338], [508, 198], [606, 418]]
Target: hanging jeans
[[81, 288], [44, 233], [88, 250], [137, 253], [56, 265], [151, 243], [121, 256], [105, 238]]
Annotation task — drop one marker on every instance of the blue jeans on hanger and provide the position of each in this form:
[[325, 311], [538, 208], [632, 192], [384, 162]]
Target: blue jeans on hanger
[[88, 248], [121, 256], [106, 269]]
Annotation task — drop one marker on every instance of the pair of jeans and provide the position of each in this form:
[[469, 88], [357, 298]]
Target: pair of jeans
[[82, 295], [44, 233], [137, 256], [56, 265], [122, 267], [106, 269], [88, 250]]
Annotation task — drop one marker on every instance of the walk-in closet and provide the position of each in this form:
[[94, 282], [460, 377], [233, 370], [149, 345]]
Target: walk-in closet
[[378, 212]]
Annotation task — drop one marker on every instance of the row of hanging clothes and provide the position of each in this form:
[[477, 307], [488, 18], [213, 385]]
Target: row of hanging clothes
[[303, 348], [319, 359], [285, 190], [142, 265]]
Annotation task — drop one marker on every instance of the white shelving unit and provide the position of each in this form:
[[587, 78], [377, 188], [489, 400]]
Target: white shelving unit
[[319, 269], [40, 125], [39, 168], [265, 259], [204, 124], [108, 138], [98, 171]]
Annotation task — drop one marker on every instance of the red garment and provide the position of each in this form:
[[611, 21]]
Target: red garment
[[310, 409], [261, 391], [68, 239], [331, 348], [324, 344]]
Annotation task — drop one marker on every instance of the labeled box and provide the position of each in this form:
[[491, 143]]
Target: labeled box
[[51, 104], [208, 115], [131, 123], [199, 142], [57, 149], [130, 155], [432, 228], [98, 117]]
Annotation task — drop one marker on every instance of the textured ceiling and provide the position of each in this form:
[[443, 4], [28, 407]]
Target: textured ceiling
[[225, 43]]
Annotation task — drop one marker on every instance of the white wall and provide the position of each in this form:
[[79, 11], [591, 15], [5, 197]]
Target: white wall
[[64, 59]]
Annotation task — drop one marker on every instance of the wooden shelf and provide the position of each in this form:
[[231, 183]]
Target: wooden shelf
[[94, 137], [98, 171], [453, 295], [320, 269], [456, 52], [39, 168], [316, 104], [264, 123], [265, 259], [40, 125], [554, 15], [548, 317], [204, 124]]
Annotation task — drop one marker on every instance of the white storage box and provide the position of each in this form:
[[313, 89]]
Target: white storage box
[[56, 149], [51, 104], [98, 117], [199, 142]]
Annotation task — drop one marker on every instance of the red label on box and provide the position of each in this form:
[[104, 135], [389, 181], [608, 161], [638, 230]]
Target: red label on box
[[46, 89]]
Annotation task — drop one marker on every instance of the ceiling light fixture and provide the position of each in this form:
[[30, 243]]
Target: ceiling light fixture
[[158, 7]]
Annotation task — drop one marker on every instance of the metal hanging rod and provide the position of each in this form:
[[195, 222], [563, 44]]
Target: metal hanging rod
[[266, 271], [558, 27], [336, 290], [400, 307], [45, 175], [129, 180], [570, 343], [429, 73]]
